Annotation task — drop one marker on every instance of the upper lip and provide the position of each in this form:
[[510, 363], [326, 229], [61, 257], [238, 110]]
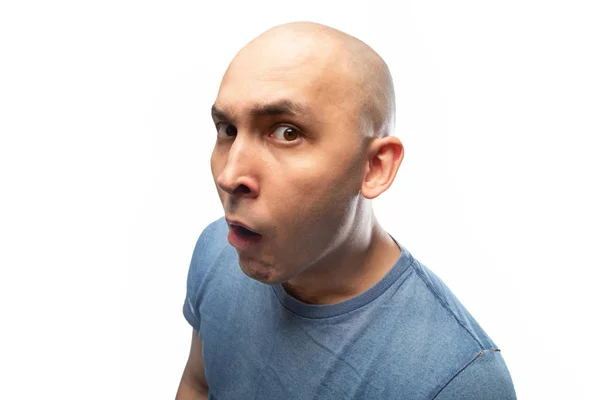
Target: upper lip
[[238, 223]]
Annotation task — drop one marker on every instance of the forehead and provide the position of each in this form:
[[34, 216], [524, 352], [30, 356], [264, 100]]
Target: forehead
[[319, 80]]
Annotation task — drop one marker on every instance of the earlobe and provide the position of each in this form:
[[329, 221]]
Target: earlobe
[[384, 159]]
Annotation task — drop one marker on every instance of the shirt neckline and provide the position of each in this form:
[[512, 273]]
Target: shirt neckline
[[319, 311]]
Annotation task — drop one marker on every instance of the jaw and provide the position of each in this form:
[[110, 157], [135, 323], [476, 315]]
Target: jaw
[[258, 270]]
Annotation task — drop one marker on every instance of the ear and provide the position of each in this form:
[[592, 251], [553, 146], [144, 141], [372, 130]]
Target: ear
[[384, 158]]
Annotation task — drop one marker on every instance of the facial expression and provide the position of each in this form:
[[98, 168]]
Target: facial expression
[[289, 158]]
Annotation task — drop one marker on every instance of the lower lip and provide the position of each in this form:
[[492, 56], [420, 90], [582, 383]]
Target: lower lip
[[242, 242]]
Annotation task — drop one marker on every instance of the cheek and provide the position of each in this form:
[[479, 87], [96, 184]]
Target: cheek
[[330, 180], [305, 190], [311, 204], [215, 163], [216, 167]]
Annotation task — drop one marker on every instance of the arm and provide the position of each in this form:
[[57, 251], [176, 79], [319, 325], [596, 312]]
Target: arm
[[484, 378], [193, 384]]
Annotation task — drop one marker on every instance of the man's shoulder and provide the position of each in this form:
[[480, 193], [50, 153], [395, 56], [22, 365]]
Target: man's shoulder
[[439, 335], [214, 234], [447, 303], [211, 242], [212, 248], [430, 336]]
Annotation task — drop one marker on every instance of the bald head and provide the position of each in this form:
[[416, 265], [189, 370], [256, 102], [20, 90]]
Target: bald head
[[344, 71], [304, 119]]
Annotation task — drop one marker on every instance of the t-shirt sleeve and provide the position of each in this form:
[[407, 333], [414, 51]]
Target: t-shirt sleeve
[[484, 378], [196, 273]]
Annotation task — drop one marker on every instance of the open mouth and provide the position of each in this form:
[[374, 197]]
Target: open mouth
[[242, 238], [244, 232]]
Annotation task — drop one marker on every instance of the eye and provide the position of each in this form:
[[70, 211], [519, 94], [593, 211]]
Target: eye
[[286, 134], [226, 130]]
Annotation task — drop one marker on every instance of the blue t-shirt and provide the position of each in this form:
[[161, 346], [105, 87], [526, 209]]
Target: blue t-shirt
[[407, 337]]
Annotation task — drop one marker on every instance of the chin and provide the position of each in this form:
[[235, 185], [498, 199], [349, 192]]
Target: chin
[[259, 271]]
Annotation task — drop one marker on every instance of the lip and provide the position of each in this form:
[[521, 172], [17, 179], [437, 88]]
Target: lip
[[238, 223], [240, 241]]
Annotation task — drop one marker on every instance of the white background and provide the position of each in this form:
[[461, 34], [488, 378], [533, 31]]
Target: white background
[[105, 181]]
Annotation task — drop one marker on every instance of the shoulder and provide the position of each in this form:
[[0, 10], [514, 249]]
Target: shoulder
[[444, 338], [212, 239], [486, 377], [211, 248], [452, 306]]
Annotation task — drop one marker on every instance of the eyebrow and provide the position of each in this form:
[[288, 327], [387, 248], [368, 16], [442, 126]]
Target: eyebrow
[[281, 107], [218, 114]]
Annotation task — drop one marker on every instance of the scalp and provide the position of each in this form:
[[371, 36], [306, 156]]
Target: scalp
[[354, 74]]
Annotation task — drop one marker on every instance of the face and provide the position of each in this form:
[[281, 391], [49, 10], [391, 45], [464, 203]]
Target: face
[[288, 161]]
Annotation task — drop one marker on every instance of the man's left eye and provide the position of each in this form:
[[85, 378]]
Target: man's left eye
[[286, 133]]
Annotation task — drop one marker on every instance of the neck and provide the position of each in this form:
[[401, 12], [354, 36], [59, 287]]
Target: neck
[[355, 266]]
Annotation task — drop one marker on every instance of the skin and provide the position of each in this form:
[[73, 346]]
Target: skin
[[304, 117]]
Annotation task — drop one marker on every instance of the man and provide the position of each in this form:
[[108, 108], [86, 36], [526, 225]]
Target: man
[[298, 292]]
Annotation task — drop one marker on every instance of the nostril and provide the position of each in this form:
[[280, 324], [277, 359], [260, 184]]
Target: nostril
[[242, 189]]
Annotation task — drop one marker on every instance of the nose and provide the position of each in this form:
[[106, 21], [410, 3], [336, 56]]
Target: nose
[[238, 177]]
